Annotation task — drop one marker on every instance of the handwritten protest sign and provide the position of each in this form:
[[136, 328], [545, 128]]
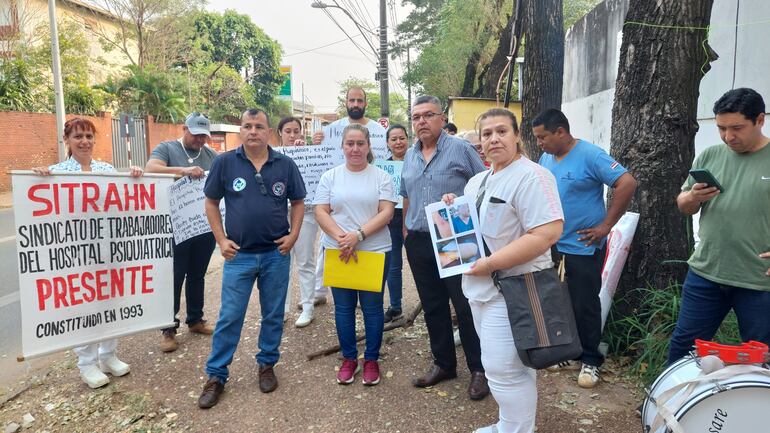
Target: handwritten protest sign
[[393, 168], [315, 160], [94, 254], [188, 211]]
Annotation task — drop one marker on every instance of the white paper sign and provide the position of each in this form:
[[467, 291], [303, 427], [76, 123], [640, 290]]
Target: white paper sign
[[455, 234], [95, 257], [618, 247], [315, 160], [188, 210]]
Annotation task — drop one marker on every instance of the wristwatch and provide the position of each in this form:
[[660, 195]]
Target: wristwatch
[[361, 234]]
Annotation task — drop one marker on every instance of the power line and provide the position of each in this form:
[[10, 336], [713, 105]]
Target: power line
[[349, 37], [318, 48]]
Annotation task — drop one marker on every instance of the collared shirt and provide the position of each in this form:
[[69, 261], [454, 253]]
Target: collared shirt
[[448, 170], [255, 220], [70, 164]]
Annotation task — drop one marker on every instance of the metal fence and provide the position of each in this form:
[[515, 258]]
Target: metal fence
[[129, 149]]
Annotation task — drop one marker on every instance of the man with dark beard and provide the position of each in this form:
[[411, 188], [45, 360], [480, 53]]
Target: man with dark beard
[[355, 103]]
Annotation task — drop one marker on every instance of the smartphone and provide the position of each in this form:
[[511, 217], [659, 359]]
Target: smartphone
[[702, 175]]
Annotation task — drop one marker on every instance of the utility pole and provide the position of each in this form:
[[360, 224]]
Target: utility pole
[[383, 70], [57, 86]]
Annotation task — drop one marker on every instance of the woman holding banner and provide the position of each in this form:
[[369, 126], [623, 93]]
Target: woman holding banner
[[353, 204], [94, 360], [520, 217], [398, 143], [303, 254]]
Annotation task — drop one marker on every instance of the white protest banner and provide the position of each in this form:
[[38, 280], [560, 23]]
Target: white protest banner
[[393, 168], [456, 236], [313, 161], [618, 247], [333, 137], [94, 254], [188, 211]]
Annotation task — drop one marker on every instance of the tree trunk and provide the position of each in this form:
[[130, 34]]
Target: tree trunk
[[491, 74], [654, 121], [543, 71]]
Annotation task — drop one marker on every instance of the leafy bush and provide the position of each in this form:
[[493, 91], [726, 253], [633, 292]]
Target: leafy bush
[[645, 335]]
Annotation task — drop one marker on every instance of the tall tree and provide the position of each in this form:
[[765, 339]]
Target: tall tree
[[543, 71], [654, 121]]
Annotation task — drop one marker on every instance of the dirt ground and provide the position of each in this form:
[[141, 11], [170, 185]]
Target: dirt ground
[[160, 393]]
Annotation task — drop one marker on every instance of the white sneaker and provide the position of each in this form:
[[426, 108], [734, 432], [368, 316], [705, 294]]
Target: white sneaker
[[564, 366], [114, 366], [304, 319], [93, 377], [588, 377], [488, 429], [458, 341]]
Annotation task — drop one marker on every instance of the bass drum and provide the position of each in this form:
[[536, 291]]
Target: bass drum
[[739, 404]]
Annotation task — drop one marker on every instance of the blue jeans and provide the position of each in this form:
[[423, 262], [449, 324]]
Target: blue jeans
[[706, 303], [271, 271], [345, 301], [394, 277]]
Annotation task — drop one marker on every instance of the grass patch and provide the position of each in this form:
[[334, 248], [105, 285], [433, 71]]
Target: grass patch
[[645, 335]]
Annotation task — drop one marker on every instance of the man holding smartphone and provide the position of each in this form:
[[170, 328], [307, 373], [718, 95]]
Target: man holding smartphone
[[727, 269]]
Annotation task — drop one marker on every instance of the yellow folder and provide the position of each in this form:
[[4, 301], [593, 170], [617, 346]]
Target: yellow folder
[[366, 274]]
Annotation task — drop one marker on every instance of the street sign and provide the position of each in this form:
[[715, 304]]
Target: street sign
[[384, 122], [285, 92]]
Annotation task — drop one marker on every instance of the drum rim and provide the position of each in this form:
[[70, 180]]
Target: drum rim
[[706, 393], [665, 375]]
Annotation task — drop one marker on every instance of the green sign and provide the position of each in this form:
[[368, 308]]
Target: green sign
[[285, 92]]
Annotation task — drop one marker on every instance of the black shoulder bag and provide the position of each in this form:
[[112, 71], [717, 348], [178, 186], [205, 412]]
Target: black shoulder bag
[[539, 311]]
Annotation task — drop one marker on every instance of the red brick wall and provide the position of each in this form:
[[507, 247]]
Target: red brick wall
[[29, 140], [159, 132]]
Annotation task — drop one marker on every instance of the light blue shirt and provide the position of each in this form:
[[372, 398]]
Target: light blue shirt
[[580, 177], [70, 164]]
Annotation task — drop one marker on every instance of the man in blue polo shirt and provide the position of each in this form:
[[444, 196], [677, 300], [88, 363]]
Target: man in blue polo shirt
[[256, 183], [581, 170]]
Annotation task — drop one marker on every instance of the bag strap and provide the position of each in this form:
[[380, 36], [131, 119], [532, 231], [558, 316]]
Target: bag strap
[[479, 200]]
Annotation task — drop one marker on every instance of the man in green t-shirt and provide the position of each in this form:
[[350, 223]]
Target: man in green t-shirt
[[729, 268]]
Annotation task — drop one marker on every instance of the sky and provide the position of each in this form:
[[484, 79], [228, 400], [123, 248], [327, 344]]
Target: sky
[[298, 28]]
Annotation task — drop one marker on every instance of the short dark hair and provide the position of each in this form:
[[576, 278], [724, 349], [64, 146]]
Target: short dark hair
[[551, 119], [495, 112], [744, 100], [428, 99], [254, 112], [450, 127], [287, 120], [396, 126]]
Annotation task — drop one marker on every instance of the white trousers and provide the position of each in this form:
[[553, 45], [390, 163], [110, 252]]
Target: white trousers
[[309, 267], [90, 354], [511, 382]]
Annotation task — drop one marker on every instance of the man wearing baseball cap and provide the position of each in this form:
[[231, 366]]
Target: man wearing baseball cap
[[187, 156]]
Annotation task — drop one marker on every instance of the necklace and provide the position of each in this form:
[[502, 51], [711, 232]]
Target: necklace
[[190, 159]]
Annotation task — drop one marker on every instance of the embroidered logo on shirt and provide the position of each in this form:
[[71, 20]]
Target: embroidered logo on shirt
[[239, 184], [279, 188], [614, 165]]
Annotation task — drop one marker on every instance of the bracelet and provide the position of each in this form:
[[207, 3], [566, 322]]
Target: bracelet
[[361, 234]]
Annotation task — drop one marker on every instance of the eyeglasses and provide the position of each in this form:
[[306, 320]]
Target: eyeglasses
[[427, 117], [261, 182]]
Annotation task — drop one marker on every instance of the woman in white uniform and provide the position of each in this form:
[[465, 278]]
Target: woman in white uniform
[[520, 218]]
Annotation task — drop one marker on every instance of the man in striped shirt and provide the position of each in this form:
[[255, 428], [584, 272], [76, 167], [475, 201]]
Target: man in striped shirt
[[438, 164]]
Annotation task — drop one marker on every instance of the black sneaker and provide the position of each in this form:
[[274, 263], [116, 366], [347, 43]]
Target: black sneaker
[[392, 314]]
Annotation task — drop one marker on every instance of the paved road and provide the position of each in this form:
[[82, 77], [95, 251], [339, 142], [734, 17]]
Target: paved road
[[10, 315]]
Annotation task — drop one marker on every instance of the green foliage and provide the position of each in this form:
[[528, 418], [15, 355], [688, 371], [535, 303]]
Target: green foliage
[[20, 86], [150, 91], [233, 39], [576, 9], [644, 336], [219, 90], [398, 104]]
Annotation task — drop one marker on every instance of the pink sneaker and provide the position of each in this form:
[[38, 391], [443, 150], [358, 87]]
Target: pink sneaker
[[348, 371], [371, 373]]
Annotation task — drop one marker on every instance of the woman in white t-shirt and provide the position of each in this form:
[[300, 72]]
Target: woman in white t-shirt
[[520, 218], [353, 204]]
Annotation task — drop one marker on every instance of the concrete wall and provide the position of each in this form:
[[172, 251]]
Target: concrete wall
[[591, 58]]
